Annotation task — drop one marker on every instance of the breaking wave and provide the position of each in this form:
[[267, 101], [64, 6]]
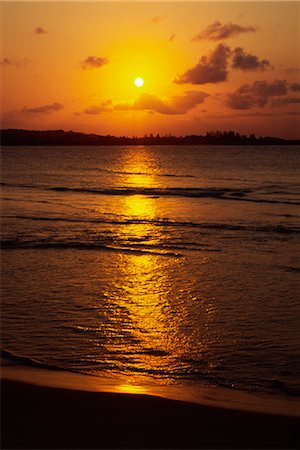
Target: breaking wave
[[216, 193], [281, 229]]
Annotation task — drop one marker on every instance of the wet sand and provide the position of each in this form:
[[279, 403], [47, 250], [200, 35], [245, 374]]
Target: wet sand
[[60, 418]]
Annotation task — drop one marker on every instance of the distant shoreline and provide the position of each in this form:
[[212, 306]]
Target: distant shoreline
[[15, 137]]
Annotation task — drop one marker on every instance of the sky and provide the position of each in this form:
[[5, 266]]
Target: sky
[[206, 66]]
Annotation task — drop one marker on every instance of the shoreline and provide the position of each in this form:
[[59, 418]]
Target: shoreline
[[40, 416], [49, 409], [212, 396]]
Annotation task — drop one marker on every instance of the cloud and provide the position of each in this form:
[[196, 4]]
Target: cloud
[[14, 62], [156, 19], [285, 101], [188, 101], [94, 62], [264, 88], [244, 114], [172, 37], [256, 94], [295, 87], [44, 109], [6, 62], [147, 102], [237, 100], [246, 61], [98, 109], [217, 32], [292, 70], [179, 104], [211, 69], [214, 67], [40, 30]]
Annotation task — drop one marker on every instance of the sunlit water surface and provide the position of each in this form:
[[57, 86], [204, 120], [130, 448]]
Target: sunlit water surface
[[154, 264]]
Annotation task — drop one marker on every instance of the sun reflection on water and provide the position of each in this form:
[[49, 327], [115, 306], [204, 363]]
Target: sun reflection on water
[[149, 315]]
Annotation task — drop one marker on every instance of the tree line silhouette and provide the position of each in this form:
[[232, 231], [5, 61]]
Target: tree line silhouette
[[70, 138]]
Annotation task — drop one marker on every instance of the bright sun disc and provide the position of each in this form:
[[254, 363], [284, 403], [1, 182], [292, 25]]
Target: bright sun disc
[[139, 81]]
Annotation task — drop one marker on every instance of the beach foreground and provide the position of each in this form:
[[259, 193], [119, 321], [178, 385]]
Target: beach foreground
[[48, 417]]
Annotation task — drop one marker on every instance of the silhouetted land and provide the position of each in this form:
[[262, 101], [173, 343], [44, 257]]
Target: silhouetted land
[[61, 137]]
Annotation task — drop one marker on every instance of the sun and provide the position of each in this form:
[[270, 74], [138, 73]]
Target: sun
[[139, 81]]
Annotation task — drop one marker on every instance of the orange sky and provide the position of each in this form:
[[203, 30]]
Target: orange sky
[[205, 65]]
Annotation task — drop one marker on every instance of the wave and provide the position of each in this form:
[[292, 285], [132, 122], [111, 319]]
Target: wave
[[28, 361], [217, 193], [138, 249], [95, 368], [158, 192], [290, 268], [281, 229], [124, 172], [20, 185]]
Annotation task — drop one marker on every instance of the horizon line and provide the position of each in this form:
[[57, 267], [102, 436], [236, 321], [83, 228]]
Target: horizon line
[[213, 134]]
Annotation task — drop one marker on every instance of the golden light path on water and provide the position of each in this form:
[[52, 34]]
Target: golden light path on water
[[150, 308]]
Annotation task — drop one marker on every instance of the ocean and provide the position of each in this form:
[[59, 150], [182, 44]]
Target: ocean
[[171, 265]]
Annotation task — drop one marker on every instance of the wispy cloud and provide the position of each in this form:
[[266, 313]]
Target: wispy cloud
[[98, 109], [177, 105], [292, 70], [210, 69], [147, 102], [44, 109], [172, 37], [245, 61], [6, 62], [40, 30], [14, 62], [157, 19], [295, 87], [282, 101], [217, 32], [94, 62]]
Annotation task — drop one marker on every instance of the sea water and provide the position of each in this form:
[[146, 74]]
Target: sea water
[[158, 264]]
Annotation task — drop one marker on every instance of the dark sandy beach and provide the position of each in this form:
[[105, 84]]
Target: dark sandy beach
[[47, 417]]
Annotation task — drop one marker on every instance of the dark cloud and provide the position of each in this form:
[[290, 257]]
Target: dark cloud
[[295, 87], [217, 32], [264, 88], [246, 61], [256, 94], [211, 69], [98, 109], [44, 109], [188, 101], [40, 30], [94, 62], [214, 67], [237, 100], [282, 101], [178, 105]]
